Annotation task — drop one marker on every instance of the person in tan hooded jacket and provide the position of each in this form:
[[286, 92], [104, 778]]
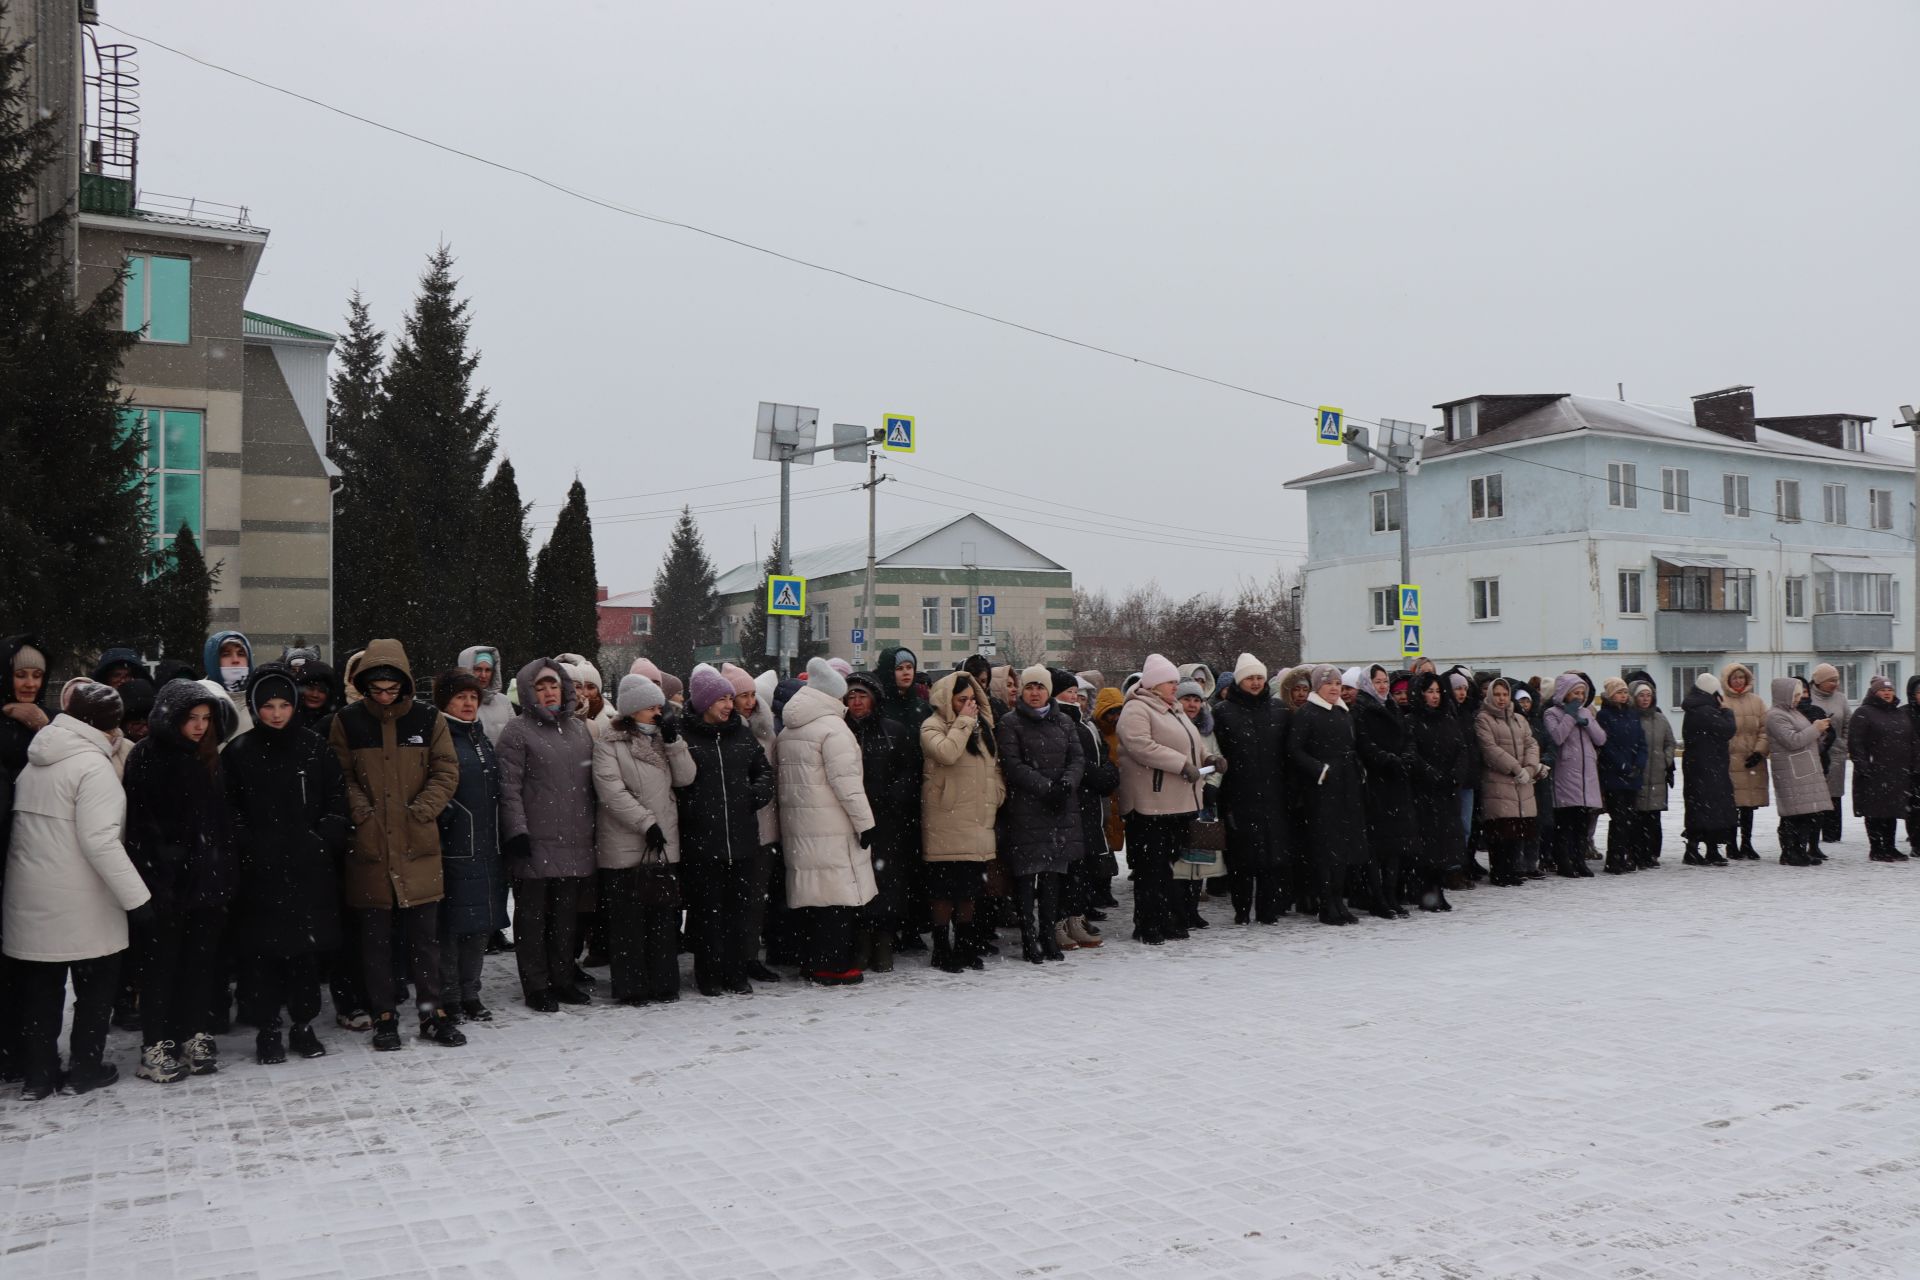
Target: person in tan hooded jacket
[[1747, 753], [401, 772], [961, 791]]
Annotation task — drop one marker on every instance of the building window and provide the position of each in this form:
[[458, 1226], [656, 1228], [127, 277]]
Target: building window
[[1487, 500], [1838, 591], [156, 299], [1833, 503], [1383, 607], [1386, 511], [1880, 508], [1850, 679], [929, 615], [818, 626], [173, 464], [1794, 600], [1674, 485], [1464, 420], [1623, 489], [1699, 589], [1890, 672], [1683, 678], [1852, 439], [1786, 501], [1630, 597], [642, 624], [1797, 671], [1485, 594], [1733, 495], [957, 615]]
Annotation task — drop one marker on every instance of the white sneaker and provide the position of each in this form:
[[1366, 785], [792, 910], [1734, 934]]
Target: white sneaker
[[158, 1064], [203, 1055]]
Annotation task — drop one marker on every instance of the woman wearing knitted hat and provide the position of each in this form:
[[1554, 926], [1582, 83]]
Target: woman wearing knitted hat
[[1327, 769], [636, 767], [69, 889], [752, 702], [475, 874], [1651, 802], [1161, 759], [289, 802], [722, 866], [826, 825], [1194, 867], [1251, 727], [1705, 730], [1040, 832], [1881, 744]]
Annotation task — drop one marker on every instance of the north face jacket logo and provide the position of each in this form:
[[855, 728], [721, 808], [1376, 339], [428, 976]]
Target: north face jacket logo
[[416, 741]]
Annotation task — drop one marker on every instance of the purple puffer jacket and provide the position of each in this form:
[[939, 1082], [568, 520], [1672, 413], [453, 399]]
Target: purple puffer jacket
[[1576, 776]]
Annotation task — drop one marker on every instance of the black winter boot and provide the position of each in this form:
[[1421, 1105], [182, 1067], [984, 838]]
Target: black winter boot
[[1713, 858], [1023, 898], [1049, 914], [946, 954]]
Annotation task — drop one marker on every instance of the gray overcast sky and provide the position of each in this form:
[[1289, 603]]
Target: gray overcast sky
[[1379, 206]]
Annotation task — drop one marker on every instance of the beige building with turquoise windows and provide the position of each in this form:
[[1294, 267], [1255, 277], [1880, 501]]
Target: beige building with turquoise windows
[[928, 579]]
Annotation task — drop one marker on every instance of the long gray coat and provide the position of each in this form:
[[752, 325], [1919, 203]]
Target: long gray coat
[[546, 781], [1793, 747], [1660, 757]]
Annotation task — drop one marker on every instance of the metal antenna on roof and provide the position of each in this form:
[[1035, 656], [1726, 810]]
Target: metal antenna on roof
[[1621, 387]]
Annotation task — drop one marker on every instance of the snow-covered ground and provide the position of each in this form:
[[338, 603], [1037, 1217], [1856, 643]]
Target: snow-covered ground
[[1711, 1072]]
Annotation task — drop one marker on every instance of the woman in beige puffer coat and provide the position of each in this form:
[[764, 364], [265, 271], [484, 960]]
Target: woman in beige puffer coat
[[961, 791], [1161, 756], [1800, 780], [1747, 753], [825, 823]]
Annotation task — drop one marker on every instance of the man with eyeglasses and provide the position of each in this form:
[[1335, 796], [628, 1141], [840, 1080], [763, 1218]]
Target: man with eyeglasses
[[401, 771]]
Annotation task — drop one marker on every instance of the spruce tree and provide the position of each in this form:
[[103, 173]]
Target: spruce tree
[[503, 609], [566, 619], [181, 599], [686, 613], [362, 520], [413, 518], [73, 505]]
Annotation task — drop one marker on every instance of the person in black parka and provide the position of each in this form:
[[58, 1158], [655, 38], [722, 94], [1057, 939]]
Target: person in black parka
[[321, 694], [723, 868], [1250, 729], [890, 765], [1042, 759], [1087, 875], [1622, 770], [1326, 769], [1380, 737], [1438, 774], [179, 833], [1880, 742], [1706, 730], [903, 701], [289, 802], [473, 869]]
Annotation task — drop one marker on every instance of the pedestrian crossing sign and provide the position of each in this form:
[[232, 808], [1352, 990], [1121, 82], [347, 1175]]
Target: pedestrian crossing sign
[[786, 597], [1330, 424], [1409, 602], [899, 433], [1409, 639]]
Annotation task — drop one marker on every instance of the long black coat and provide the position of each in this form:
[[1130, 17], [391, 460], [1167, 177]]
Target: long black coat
[[720, 810], [179, 831], [289, 803], [1706, 729], [1380, 738], [1251, 733], [1437, 771], [471, 865], [890, 766], [1880, 742], [1326, 769], [1040, 829], [1100, 779]]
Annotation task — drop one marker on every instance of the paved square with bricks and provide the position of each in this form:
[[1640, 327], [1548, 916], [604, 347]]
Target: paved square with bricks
[[1684, 1072]]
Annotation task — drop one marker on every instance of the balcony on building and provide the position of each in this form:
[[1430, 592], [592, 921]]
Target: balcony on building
[[1702, 604], [1853, 604]]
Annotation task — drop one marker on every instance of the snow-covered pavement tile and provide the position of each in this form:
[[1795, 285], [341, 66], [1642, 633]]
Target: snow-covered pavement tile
[[1684, 1072]]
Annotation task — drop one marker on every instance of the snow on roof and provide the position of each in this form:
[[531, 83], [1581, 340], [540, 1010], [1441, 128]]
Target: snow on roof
[[628, 600], [835, 557], [1571, 414]]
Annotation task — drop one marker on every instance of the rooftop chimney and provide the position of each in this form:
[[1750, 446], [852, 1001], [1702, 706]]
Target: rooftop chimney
[[599, 593], [1727, 412]]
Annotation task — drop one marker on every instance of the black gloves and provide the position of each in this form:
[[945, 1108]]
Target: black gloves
[[656, 839], [1669, 775], [865, 838], [143, 916], [1755, 760], [517, 847], [670, 726]]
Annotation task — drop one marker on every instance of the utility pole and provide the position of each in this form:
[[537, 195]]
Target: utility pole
[[1912, 421], [1401, 467], [872, 486], [789, 646]]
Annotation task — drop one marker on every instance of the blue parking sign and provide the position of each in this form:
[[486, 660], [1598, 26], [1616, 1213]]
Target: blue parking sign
[[859, 635], [986, 606]]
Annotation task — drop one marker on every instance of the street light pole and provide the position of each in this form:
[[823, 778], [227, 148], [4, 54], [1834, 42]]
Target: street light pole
[[1400, 469], [1912, 421]]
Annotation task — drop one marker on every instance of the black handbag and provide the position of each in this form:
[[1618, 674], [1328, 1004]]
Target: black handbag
[[659, 885]]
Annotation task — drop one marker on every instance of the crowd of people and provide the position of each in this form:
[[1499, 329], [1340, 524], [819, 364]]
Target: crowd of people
[[191, 847]]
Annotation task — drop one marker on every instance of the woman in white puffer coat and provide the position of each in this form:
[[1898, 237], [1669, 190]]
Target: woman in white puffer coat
[[825, 824], [69, 887]]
